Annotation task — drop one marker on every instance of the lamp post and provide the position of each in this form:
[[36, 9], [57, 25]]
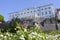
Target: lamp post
[[56, 21]]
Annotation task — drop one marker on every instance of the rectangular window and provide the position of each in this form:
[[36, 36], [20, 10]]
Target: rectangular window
[[49, 12], [38, 10], [45, 8], [45, 12], [27, 12], [21, 13], [38, 14], [34, 10], [27, 9], [49, 7], [42, 9], [42, 13], [31, 11], [24, 13]]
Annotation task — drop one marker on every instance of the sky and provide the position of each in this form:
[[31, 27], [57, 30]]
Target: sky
[[9, 6]]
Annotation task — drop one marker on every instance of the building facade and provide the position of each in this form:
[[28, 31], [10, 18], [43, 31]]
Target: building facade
[[39, 15], [46, 11], [58, 13]]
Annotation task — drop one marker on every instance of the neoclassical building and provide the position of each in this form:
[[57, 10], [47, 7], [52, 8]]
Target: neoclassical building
[[58, 13], [46, 11], [38, 14]]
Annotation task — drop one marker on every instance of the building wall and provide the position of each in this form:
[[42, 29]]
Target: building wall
[[58, 13], [49, 27], [38, 14], [46, 11], [27, 13]]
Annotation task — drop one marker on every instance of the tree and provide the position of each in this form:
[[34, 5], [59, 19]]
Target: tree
[[1, 18], [13, 24]]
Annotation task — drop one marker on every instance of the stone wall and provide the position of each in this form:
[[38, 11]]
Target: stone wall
[[50, 27], [47, 24], [59, 26]]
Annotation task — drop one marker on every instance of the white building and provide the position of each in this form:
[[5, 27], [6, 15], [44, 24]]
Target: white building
[[46, 11], [58, 13]]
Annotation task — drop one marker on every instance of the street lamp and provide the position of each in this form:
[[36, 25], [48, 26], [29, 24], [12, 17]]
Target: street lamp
[[56, 21]]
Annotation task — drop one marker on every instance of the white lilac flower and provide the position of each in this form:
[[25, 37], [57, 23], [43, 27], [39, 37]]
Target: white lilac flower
[[9, 38], [11, 35], [15, 28], [30, 35], [34, 33], [22, 37], [1, 35], [18, 31], [0, 39], [14, 35], [56, 36], [25, 30], [40, 35], [5, 36], [33, 36], [7, 33], [49, 37]]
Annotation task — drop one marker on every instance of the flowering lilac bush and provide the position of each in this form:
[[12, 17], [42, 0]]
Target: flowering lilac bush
[[23, 33]]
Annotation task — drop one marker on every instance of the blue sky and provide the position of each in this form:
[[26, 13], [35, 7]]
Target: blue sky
[[8, 6]]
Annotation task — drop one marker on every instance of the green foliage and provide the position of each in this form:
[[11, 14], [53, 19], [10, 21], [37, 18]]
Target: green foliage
[[12, 25], [58, 21], [16, 31], [1, 18], [32, 33]]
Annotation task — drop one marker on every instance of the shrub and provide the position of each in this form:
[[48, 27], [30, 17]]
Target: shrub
[[58, 21]]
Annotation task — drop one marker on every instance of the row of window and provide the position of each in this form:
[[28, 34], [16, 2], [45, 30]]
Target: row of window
[[46, 8], [25, 13], [44, 13], [36, 10], [30, 11]]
